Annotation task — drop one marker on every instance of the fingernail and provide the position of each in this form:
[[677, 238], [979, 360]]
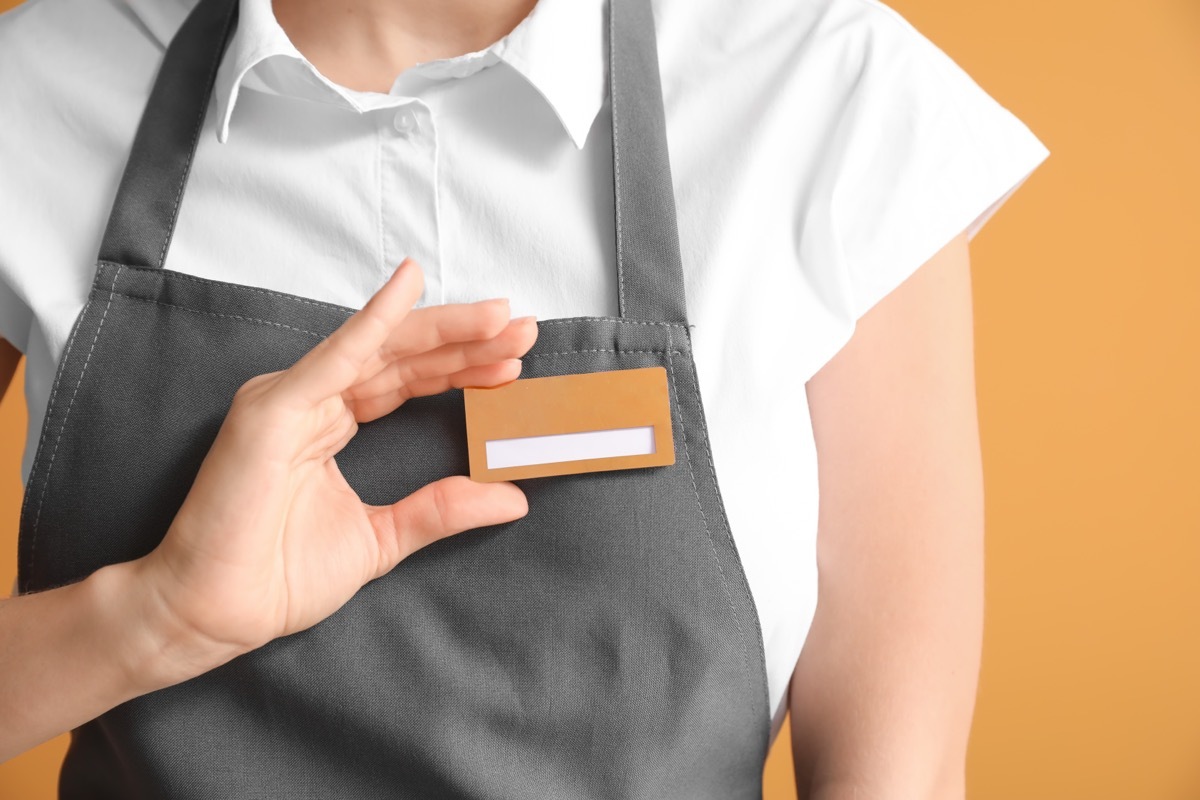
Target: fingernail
[[522, 319]]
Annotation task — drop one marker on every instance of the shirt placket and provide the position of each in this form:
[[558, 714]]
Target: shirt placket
[[408, 196]]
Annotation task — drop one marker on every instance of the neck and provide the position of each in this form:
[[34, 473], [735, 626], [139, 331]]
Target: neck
[[365, 44]]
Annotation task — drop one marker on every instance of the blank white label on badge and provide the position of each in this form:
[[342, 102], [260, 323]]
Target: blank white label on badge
[[558, 447]]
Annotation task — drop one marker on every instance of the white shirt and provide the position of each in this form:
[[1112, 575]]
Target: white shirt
[[822, 150]]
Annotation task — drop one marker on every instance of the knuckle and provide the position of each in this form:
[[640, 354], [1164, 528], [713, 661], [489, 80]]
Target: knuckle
[[256, 398], [258, 384]]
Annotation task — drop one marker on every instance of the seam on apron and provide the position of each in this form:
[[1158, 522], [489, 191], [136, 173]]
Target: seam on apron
[[49, 415], [612, 93], [215, 314], [183, 276], [622, 320], [66, 414], [321, 336], [240, 287], [599, 350], [747, 595], [704, 517]]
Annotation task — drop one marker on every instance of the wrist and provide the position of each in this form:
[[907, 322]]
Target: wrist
[[154, 649]]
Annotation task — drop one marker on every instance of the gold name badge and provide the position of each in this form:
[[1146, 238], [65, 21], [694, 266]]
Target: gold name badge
[[567, 424]]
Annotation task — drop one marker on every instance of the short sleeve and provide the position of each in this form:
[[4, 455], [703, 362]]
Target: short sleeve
[[15, 317], [923, 154]]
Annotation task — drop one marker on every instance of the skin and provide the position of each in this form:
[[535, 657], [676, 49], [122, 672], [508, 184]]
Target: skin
[[365, 44], [883, 692]]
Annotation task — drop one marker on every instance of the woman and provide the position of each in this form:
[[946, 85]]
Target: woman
[[238, 574]]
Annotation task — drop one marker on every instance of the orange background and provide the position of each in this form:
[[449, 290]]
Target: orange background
[[1087, 290]]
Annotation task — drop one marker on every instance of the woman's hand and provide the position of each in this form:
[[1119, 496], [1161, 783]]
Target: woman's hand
[[271, 539]]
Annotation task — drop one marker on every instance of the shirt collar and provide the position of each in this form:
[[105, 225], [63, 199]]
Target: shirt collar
[[559, 49]]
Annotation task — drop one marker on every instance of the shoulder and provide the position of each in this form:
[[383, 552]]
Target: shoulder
[[76, 69], [829, 75], [810, 87], [37, 33], [64, 50], [860, 144], [158, 18], [74, 76], [78, 73], [850, 37]]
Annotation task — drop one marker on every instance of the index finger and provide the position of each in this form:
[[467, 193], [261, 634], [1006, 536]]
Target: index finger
[[335, 364]]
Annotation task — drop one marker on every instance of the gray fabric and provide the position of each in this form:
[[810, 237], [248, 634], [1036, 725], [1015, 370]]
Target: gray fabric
[[604, 646], [649, 266]]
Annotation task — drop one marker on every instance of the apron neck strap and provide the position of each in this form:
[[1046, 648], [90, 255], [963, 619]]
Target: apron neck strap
[[151, 189], [649, 266]]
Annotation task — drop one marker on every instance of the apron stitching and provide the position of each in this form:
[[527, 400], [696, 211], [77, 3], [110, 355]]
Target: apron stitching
[[225, 316], [187, 166], [704, 517], [334, 306], [183, 276], [240, 287], [572, 352], [50, 407], [749, 598], [66, 415], [609, 319], [612, 79], [321, 336]]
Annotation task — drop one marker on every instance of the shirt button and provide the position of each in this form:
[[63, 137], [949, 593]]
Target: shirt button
[[405, 122]]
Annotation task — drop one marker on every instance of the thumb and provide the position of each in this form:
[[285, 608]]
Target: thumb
[[439, 509]]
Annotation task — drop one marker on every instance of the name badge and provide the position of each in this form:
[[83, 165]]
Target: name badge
[[567, 424]]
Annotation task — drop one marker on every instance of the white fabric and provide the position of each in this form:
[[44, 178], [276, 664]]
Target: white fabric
[[822, 150]]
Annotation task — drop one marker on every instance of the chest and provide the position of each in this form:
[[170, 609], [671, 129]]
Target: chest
[[477, 182]]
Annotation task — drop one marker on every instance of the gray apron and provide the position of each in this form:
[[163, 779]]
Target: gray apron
[[604, 646]]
